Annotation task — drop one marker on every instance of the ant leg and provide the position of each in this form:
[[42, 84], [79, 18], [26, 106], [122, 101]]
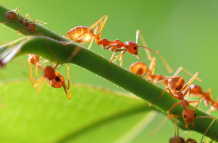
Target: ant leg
[[18, 29], [114, 51], [66, 37], [68, 77], [31, 76], [18, 13], [36, 72], [40, 21], [187, 91], [92, 26], [26, 16], [38, 82], [93, 38], [174, 105], [138, 33], [164, 61], [171, 93], [41, 86], [152, 66], [123, 51], [181, 68], [121, 58], [208, 126], [194, 102], [189, 82]]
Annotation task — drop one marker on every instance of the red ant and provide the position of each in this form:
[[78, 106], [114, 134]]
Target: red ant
[[11, 15], [188, 115], [56, 80], [196, 90], [176, 84], [82, 34]]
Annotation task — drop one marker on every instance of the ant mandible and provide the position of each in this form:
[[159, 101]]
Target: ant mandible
[[11, 15], [56, 80], [82, 34]]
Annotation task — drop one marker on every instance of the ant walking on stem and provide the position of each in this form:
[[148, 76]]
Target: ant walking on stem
[[176, 85], [56, 80], [11, 15], [82, 34]]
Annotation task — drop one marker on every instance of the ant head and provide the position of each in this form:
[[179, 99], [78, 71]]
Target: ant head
[[188, 115], [138, 68], [49, 73], [31, 27], [10, 15], [176, 139], [195, 89], [58, 81], [132, 48], [172, 82]]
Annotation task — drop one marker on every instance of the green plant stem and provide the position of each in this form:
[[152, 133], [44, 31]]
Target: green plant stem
[[99, 65]]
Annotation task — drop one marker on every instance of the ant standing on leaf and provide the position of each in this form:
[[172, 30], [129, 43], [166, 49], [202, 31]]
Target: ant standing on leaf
[[11, 15], [56, 80], [82, 34]]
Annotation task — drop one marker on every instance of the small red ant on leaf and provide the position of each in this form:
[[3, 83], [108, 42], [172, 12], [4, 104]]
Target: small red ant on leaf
[[11, 15]]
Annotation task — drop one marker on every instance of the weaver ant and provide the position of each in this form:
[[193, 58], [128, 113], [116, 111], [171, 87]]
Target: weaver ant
[[56, 80], [196, 90], [176, 84], [11, 15], [82, 34], [188, 115]]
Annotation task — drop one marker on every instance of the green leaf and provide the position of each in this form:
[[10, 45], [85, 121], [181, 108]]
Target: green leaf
[[50, 116]]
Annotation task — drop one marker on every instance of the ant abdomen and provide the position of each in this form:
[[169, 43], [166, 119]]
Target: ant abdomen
[[58, 81], [79, 30], [10, 15]]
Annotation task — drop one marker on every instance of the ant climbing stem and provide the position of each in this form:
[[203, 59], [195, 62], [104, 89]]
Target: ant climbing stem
[[86, 34], [11, 15], [56, 80], [176, 84], [189, 115]]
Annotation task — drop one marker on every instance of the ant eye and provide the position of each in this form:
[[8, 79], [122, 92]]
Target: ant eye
[[184, 116], [29, 30], [195, 114], [34, 24], [135, 48]]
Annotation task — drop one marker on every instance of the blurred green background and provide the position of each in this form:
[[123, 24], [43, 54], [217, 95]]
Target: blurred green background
[[184, 32]]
